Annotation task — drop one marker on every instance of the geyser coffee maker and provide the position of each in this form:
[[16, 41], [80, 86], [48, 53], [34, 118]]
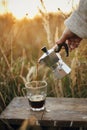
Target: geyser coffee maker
[[53, 60]]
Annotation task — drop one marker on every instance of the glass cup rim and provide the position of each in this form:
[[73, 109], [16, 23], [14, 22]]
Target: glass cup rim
[[36, 81]]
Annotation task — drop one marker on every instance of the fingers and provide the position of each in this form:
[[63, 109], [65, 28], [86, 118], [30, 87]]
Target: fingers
[[73, 43], [73, 46]]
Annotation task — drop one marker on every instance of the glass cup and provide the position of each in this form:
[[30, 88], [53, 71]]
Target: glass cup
[[36, 92]]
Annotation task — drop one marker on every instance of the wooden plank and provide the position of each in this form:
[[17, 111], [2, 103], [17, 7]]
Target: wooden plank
[[64, 112], [18, 110]]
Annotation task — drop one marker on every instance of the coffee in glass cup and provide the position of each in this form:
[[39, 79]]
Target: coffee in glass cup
[[36, 92]]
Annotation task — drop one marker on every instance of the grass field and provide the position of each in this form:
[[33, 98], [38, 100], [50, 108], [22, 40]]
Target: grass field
[[20, 48]]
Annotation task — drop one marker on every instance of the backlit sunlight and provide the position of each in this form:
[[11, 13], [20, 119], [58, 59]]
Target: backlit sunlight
[[29, 8]]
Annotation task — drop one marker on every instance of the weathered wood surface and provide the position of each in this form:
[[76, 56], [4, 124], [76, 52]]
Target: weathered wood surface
[[63, 112]]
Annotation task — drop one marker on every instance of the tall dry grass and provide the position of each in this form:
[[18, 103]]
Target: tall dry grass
[[20, 48]]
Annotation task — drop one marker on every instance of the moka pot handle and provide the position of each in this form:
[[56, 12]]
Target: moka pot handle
[[59, 47]]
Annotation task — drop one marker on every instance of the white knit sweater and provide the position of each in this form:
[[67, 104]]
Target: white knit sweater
[[77, 22]]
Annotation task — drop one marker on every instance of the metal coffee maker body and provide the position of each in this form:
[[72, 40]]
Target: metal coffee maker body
[[53, 60]]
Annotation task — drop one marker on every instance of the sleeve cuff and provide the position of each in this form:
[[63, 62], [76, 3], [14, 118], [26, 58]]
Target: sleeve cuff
[[77, 25]]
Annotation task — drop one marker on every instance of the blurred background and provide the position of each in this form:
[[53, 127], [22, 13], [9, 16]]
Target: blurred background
[[25, 27]]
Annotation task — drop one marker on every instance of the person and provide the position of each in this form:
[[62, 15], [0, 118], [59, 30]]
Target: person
[[76, 26]]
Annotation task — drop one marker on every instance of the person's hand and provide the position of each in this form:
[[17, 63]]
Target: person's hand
[[70, 38]]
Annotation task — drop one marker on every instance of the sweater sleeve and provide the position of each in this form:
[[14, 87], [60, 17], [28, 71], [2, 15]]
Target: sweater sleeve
[[77, 22]]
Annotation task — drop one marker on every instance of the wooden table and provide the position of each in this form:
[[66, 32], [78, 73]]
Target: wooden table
[[61, 112]]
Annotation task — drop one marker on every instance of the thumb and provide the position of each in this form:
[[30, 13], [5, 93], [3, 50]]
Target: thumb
[[61, 40]]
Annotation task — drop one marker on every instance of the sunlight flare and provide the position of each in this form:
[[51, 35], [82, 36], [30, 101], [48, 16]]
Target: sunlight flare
[[29, 8]]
